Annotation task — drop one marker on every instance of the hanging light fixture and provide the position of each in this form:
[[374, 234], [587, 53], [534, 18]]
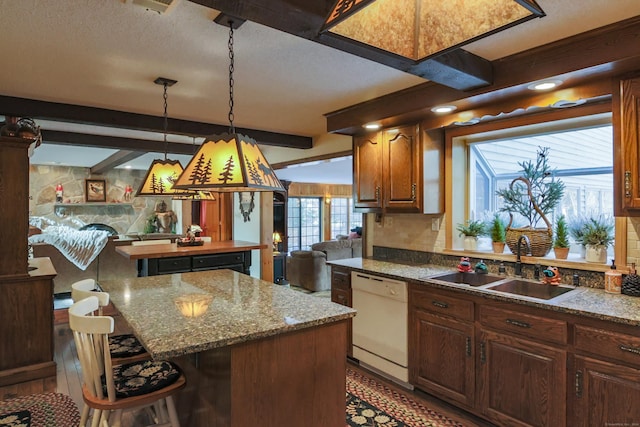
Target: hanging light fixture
[[195, 194], [229, 162], [162, 174]]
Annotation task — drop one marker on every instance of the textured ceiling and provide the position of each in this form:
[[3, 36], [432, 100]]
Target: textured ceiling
[[106, 53]]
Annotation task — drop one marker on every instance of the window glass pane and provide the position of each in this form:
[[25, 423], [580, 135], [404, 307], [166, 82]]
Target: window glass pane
[[304, 222], [339, 217], [581, 158]]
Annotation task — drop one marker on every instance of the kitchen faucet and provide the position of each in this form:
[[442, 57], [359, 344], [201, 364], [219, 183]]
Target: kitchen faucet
[[518, 262]]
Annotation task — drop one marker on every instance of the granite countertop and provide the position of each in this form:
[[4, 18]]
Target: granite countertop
[[240, 308], [588, 302]]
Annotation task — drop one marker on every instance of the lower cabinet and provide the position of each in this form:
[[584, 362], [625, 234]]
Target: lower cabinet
[[237, 261], [522, 383], [444, 362], [341, 294], [604, 394], [441, 343]]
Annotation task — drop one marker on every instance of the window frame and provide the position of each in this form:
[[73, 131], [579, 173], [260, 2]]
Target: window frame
[[458, 160]]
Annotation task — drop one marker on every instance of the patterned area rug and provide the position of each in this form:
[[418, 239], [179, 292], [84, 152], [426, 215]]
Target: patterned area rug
[[372, 404]]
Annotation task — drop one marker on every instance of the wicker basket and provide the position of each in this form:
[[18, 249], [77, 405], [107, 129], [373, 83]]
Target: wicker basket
[[540, 239]]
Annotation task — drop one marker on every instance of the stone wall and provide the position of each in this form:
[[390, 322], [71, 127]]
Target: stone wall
[[126, 218]]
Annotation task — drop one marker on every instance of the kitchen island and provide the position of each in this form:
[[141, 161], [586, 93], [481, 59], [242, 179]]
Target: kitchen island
[[254, 353], [171, 258]]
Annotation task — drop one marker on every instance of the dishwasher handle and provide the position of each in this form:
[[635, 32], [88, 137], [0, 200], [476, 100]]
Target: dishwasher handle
[[377, 279]]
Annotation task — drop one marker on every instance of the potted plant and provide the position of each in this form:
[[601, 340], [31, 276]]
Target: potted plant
[[497, 230], [576, 231], [597, 236], [471, 229], [561, 240], [532, 196]]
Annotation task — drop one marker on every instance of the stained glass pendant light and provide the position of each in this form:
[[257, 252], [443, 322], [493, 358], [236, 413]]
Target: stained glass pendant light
[[162, 174], [229, 162]]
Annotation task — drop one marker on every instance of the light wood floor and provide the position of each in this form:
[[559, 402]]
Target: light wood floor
[[69, 380]]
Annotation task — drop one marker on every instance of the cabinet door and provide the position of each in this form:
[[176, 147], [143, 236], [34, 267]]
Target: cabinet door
[[604, 394], [522, 383], [367, 172], [402, 183], [627, 152], [441, 359]]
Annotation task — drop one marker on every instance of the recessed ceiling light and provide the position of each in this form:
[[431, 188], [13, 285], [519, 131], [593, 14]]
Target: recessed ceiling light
[[544, 84], [127, 167], [443, 109], [372, 126]]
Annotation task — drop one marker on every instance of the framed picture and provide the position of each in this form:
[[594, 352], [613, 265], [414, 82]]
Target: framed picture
[[95, 190]]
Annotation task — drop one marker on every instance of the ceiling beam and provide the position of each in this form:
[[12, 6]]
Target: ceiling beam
[[456, 68], [114, 142], [596, 54], [116, 159], [44, 110]]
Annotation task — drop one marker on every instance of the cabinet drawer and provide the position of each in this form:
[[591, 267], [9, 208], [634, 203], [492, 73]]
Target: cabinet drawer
[[174, 265], [437, 302], [340, 278], [610, 344], [528, 325], [206, 262]]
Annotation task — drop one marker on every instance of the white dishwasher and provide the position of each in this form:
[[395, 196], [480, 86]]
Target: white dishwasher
[[380, 326]]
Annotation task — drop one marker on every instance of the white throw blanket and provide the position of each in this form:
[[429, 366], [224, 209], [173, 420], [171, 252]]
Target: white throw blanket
[[80, 247]]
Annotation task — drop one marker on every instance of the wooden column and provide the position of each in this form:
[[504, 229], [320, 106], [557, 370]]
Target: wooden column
[[14, 205]]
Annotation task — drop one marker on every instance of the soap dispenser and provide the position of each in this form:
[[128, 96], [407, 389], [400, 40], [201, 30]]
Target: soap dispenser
[[613, 279]]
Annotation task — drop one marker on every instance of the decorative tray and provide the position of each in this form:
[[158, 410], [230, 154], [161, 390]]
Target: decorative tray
[[190, 243]]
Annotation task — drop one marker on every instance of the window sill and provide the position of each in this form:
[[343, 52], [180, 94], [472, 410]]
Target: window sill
[[574, 261]]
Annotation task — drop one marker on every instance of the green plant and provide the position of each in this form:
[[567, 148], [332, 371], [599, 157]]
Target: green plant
[[497, 229], [562, 233], [544, 189], [598, 231], [472, 228], [577, 228]]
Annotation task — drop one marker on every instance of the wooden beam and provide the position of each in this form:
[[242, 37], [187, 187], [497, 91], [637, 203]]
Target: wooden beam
[[44, 110], [600, 53], [119, 143], [116, 159], [456, 68]]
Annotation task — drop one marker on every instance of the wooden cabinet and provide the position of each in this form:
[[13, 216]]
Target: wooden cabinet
[[441, 339], [626, 122], [605, 373], [388, 171], [341, 294], [522, 380], [237, 261]]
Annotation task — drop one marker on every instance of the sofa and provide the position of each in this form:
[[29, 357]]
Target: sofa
[[308, 269]]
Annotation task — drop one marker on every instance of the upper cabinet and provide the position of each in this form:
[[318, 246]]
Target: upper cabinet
[[398, 170], [626, 119]]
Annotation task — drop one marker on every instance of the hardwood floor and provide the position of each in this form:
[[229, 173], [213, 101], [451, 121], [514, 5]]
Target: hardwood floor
[[69, 380]]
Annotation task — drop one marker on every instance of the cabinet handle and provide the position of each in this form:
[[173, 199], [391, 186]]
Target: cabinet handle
[[468, 346], [634, 350], [578, 384], [483, 353], [413, 191], [627, 184], [440, 304], [518, 323], [341, 300], [378, 194]]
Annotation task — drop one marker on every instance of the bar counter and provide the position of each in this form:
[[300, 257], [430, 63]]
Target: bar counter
[[259, 354]]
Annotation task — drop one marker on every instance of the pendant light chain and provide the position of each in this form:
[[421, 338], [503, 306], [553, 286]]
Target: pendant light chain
[[166, 122], [232, 129]]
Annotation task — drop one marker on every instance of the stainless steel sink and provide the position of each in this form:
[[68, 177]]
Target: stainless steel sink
[[471, 279], [531, 289]]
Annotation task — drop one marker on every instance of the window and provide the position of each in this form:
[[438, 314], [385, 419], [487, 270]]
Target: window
[[304, 224], [343, 217], [581, 154]]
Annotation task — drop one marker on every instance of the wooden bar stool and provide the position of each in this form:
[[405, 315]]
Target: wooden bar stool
[[110, 390], [124, 348]]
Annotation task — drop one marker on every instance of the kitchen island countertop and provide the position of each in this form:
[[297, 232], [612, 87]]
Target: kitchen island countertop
[[241, 308]]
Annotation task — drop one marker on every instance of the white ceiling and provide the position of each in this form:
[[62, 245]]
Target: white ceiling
[[106, 53]]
